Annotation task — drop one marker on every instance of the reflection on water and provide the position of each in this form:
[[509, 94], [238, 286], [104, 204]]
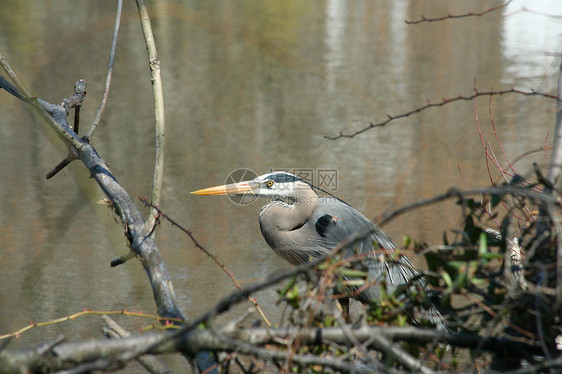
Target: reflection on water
[[255, 85], [532, 42], [335, 39]]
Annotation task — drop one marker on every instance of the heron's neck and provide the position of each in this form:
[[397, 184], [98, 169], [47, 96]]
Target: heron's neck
[[290, 213], [282, 222]]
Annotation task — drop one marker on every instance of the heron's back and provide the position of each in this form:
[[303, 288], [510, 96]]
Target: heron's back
[[374, 251]]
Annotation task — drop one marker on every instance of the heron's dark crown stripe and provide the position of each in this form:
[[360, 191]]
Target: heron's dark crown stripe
[[281, 177]]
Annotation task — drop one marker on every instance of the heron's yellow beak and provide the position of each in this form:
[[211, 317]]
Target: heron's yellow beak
[[228, 189]]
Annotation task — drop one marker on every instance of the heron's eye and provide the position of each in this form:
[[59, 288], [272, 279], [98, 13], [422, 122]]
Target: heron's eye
[[269, 184]]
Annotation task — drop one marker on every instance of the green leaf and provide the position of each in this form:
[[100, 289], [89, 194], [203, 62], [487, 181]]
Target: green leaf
[[447, 278], [402, 320], [407, 241], [492, 256], [293, 293], [293, 297], [329, 320], [289, 285], [456, 264], [460, 281], [479, 281], [482, 245], [353, 273], [354, 282]]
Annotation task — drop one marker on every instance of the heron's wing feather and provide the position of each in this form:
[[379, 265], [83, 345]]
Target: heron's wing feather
[[336, 221]]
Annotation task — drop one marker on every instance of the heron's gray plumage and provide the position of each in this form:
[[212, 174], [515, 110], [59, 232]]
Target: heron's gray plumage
[[302, 225]]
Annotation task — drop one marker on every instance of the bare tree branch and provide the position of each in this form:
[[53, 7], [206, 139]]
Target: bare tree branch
[[159, 124], [56, 355], [21, 91], [105, 94], [150, 363], [135, 230], [449, 16], [75, 101], [209, 254], [525, 9], [438, 104], [458, 193], [8, 86]]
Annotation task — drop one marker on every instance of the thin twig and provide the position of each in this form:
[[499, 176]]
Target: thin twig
[[493, 124], [236, 297], [441, 103], [492, 313], [490, 155], [456, 193], [22, 89], [75, 101], [53, 115], [536, 12], [450, 16], [209, 254], [61, 165], [105, 94], [87, 312], [502, 170]]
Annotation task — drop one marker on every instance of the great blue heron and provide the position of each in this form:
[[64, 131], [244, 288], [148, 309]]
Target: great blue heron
[[300, 225]]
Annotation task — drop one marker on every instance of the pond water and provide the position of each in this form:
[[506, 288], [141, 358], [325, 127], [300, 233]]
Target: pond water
[[257, 85]]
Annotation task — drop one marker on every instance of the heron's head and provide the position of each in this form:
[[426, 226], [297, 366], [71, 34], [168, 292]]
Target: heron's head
[[277, 185]]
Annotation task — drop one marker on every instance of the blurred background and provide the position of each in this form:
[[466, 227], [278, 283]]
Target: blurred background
[[257, 85]]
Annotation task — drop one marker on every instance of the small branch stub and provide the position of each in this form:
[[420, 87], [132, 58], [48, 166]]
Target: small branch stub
[[74, 101]]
